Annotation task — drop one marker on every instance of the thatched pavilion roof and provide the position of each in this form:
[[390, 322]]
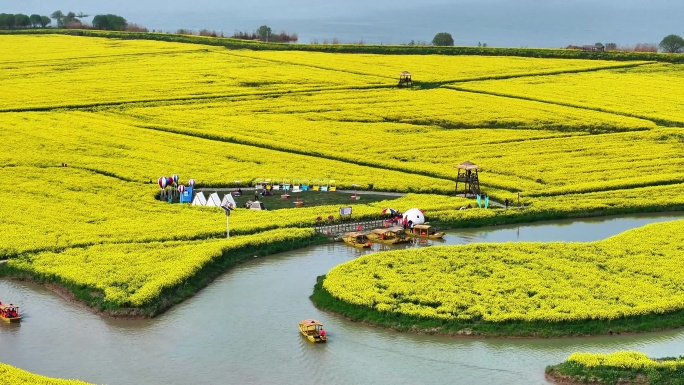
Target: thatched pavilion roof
[[468, 165]]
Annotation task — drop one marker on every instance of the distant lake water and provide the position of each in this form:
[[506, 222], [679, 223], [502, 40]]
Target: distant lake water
[[499, 23]]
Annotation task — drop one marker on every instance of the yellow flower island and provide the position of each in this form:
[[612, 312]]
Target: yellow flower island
[[631, 280]]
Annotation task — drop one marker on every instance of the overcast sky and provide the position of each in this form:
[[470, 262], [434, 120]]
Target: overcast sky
[[503, 23]]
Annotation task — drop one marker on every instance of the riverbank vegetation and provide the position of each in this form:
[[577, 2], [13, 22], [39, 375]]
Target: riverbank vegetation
[[625, 367], [609, 286], [144, 278], [90, 123], [15, 376]]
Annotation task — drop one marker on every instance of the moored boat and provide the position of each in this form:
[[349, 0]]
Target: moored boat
[[424, 231], [313, 330], [390, 236], [9, 312], [357, 239]]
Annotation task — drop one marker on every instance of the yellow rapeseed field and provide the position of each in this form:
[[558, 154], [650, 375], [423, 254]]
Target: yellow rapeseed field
[[15, 376], [635, 273], [121, 113], [624, 360], [650, 91]]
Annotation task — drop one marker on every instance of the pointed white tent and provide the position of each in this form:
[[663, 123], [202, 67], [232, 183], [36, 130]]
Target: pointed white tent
[[199, 200], [228, 201], [213, 200]]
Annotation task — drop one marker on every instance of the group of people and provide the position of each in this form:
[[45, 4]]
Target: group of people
[[408, 224], [9, 311], [398, 219]]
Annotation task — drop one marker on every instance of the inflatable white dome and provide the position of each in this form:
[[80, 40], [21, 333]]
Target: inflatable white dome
[[415, 215]]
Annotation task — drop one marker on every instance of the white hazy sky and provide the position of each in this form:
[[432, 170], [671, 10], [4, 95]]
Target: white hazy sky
[[502, 23]]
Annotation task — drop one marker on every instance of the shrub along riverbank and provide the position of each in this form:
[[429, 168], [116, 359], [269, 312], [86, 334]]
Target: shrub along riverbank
[[368, 49], [617, 368]]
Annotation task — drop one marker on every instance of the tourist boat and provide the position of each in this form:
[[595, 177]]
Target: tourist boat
[[424, 231], [313, 330], [390, 236], [9, 313], [355, 239]]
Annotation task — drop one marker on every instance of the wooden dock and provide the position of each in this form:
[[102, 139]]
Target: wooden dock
[[337, 230]]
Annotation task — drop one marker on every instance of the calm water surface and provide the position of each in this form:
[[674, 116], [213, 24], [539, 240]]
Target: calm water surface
[[242, 329]]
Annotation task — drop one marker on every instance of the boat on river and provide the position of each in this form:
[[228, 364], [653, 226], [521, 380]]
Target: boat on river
[[357, 239], [424, 231], [312, 330], [9, 312], [390, 236]]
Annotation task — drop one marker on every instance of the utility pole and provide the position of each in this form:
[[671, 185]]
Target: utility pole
[[227, 209]]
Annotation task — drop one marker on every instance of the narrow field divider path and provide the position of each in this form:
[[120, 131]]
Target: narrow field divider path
[[658, 122]]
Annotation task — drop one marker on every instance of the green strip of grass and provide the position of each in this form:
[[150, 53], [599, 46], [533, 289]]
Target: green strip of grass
[[310, 198]]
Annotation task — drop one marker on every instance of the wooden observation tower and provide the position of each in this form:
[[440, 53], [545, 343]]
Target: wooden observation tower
[[405, 79], [469, 177]]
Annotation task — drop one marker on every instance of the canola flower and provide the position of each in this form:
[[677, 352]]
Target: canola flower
[[135, 274], [624, 360], [634, 273], [122, 113], [431, 68], [648, 91], [16, 376]]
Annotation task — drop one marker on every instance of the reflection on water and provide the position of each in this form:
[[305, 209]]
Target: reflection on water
[[585, 230], [242, 329]]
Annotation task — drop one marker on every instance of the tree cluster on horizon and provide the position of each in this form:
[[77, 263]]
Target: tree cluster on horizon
[[19, 20], [265, 33]]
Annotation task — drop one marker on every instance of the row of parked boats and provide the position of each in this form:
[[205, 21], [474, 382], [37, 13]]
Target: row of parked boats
[[391, 235]]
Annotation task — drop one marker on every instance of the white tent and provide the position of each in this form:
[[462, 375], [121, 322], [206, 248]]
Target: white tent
[[213, 200], [228, 201], [256, 205], [199, 200]]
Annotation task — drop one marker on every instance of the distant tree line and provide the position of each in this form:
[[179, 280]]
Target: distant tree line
[[19, 20], [669, 44], [264, 33], [69, 20]]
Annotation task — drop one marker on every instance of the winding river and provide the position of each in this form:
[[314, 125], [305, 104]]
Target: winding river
[[242, 329]]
